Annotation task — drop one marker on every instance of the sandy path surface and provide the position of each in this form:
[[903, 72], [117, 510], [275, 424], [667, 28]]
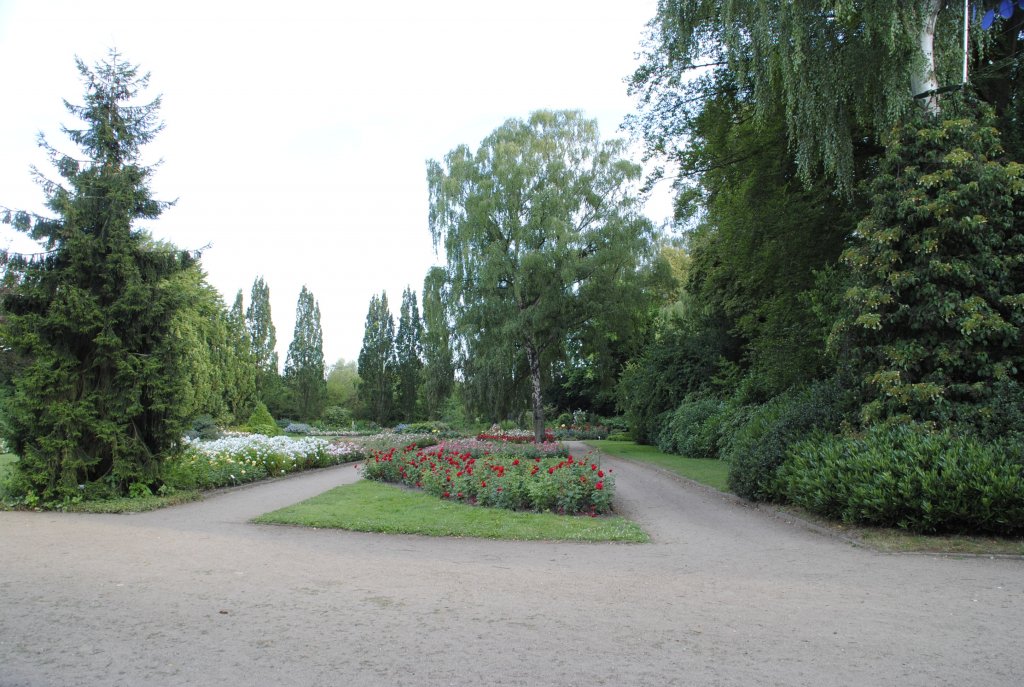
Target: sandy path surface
[[724, 595]]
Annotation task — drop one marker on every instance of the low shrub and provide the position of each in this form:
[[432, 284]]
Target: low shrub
[[262, 422], [300, 428], [757, 448], [504, 480], [912, 477], [513, 436], [584, 432], [690, 430]]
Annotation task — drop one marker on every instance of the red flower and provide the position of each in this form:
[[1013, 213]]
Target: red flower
[[599, 486], [459, 494], [515, 462], [593, 467], [551, 471], [483, 483], [445, 495], [600, 473]]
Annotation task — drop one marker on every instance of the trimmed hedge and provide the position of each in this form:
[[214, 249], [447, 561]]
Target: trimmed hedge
[[911, 477]]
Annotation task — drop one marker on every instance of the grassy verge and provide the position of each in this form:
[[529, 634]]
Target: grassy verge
[[135, 505], [713, 473], [368, 506]]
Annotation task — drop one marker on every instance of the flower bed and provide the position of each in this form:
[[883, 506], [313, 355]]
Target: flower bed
[[580, 432], [514, 436], [240, 459], [502, 480]]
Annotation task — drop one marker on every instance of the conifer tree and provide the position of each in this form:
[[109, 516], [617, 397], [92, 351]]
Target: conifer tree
[[304, 366], [408, 355], [377, 362], [95, 394]]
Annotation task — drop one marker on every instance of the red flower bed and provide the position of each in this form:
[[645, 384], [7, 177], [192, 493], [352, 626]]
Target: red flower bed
[[563, 485]]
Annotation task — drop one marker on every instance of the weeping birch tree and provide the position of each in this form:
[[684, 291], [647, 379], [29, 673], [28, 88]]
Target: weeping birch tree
[[542, 230]]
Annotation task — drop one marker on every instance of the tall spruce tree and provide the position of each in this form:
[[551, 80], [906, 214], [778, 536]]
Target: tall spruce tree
[[438, 364], [377, 364], [304, 366], [408, 355], [95, 394]]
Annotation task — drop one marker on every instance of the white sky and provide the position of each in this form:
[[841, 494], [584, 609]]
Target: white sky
[[297, 133]]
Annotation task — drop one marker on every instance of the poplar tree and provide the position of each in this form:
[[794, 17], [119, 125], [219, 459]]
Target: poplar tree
[[262, 337], [304, 366], [438, 365], [377, 363], [408, 355], [95, 393]]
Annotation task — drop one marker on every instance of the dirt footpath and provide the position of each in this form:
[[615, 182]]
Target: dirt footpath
[[724, 595]]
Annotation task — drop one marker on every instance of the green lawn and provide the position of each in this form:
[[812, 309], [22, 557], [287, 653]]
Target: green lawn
[[712, 472], [368, 506]]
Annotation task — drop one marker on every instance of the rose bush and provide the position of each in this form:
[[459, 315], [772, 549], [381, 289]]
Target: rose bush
[[503, 480]]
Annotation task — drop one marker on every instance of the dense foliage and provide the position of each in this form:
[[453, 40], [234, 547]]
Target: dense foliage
[[97, 390], [543, 237], [377, 363], [304, 366]]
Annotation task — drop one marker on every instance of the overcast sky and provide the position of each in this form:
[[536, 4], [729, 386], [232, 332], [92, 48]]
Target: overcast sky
[[297, 133]]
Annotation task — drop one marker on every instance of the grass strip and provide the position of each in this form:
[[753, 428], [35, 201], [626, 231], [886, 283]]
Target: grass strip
[[368, 506], [709, 471]]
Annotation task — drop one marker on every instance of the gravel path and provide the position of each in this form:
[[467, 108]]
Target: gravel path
[[724, 595]]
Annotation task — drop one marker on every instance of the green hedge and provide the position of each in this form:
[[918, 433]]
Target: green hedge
[[757, 446], [911, 477]]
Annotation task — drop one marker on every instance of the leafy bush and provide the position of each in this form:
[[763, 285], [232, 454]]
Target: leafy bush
[[336, 417], [912, 477], [300, 428], [205, 427], [691, 430], [758, 447], [262, 422]]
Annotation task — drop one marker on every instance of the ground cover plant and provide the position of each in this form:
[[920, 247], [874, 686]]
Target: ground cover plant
[[709, 471], [369, 506], [503, 480]]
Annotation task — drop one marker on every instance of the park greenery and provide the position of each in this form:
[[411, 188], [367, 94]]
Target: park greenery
[[834, 319]]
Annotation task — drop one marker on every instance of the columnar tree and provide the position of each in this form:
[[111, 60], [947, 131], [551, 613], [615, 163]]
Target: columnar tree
[[408, 355], [377, 365], [542, 232], [304, 366], [95, 395], [439, 368], [262, 335]]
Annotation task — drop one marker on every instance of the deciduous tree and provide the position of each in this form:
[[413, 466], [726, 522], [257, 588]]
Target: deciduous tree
[[304, 366], [542, 231]]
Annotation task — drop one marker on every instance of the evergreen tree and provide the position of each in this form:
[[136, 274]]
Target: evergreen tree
[[439, 367], [263, 338], [377, 365], [96, 394], [408, 355], [304, 366]]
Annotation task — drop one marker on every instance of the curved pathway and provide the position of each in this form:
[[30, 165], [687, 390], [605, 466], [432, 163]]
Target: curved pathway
[[724, 595]]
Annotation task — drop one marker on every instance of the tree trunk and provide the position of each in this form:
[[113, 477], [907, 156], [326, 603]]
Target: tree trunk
[[923, 80], [533, 358]]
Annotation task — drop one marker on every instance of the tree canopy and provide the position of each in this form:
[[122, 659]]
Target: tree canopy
[[542, 231]]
